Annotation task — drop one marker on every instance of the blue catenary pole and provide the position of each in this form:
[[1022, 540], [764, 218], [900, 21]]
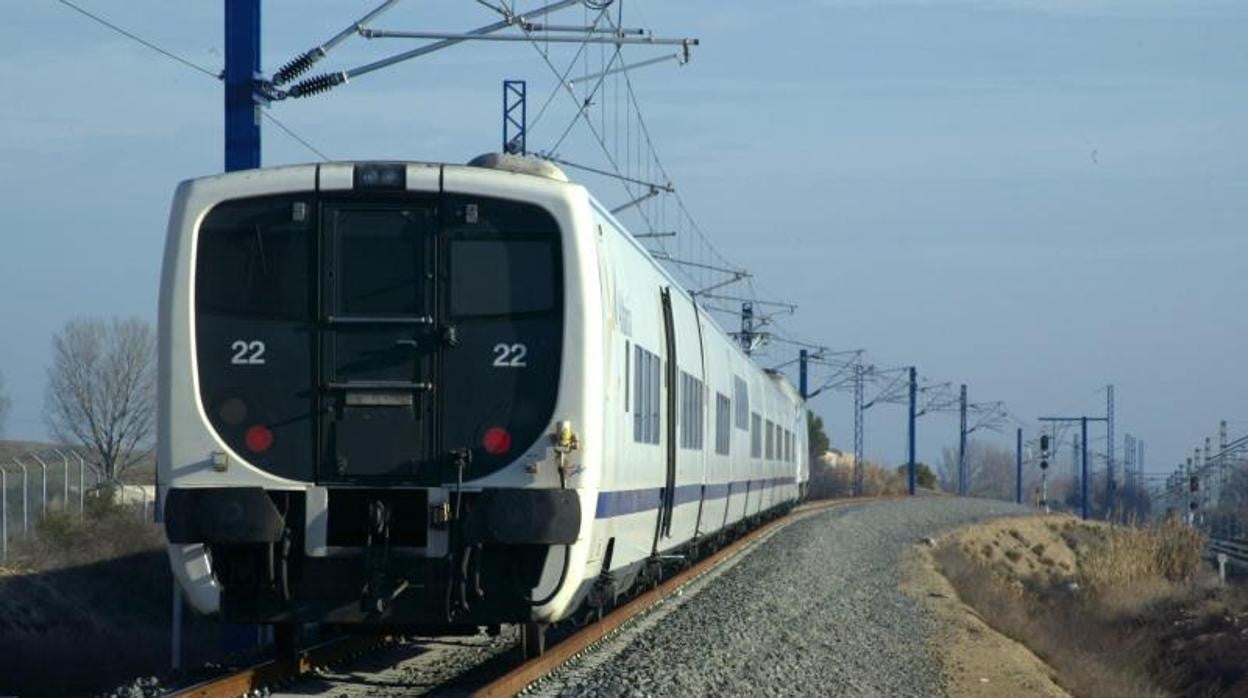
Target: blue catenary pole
[[1083, 427], [802, 357], [910, 433], [242, 66], [515, 128], [962, 442], [1018, 466]]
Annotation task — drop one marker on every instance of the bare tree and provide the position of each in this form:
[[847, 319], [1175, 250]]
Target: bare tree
[[4, 404], [101, 389], [991, 470]]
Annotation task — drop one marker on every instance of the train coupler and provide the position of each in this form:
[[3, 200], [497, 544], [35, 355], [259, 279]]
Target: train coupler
[[378, 593]]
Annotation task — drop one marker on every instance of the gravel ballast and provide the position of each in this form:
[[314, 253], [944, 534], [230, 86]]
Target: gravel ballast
[[815, 610]]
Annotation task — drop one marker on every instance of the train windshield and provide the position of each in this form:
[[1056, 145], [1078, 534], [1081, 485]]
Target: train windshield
[[501, 277], [352, 339]]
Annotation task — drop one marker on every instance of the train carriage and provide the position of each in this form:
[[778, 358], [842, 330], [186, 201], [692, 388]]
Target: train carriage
[[439, 395]]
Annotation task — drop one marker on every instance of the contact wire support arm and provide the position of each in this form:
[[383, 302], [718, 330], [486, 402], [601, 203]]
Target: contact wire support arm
[[327, 81], [304, 62]]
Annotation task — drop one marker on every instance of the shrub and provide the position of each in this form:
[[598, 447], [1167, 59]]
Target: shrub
[[105, 530]]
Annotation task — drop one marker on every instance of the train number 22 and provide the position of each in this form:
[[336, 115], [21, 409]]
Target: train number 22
[[247, 353], [510, 355]]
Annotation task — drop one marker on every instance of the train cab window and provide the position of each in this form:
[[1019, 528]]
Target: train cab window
[[379, 257], [741, 393], [646, 396], [692, 411], [723, 424], [756, 435], [501, 277], [771, 440], [254, 259]]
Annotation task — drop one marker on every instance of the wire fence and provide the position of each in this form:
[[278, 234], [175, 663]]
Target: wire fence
[[37, 483]]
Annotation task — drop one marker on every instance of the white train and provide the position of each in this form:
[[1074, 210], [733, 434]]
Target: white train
[[441, 395]]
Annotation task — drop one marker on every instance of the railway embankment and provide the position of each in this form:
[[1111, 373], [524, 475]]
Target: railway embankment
[[1055, 606], [85, 604], [815, 610]]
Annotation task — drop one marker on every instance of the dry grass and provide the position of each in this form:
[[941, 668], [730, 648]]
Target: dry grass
[[1115, 610], [1131, 569], [1086, 661], [1169, 551]]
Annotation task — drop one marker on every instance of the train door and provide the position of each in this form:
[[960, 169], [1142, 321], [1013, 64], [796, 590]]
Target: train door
[[670, 376], [377, 345]]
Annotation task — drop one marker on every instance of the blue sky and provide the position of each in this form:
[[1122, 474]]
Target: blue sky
[[1035, 197]]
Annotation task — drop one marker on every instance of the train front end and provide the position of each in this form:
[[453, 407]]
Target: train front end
[[368, 408]]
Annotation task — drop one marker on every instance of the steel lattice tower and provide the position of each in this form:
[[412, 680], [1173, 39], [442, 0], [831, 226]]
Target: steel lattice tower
[[1111, 483], [859, 369]]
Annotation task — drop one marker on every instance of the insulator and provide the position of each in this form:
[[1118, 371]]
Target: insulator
[[298, 66], [318, 84]]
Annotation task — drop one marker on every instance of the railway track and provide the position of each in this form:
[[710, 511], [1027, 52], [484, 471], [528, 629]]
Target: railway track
[[503, 677], [266, 674]]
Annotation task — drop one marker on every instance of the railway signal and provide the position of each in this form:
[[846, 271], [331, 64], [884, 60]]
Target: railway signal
[[1083, 427], [1044, 472]]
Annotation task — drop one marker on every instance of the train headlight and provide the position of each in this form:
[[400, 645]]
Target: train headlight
[[380, 176], [220, 461], [565, 439]]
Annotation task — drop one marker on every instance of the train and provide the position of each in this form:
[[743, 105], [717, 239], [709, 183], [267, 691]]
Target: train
[[441, 396]]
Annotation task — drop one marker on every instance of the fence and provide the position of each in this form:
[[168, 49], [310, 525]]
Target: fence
[[37, 482]]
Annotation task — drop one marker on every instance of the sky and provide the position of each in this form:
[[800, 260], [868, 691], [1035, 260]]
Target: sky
[[1036, 198]]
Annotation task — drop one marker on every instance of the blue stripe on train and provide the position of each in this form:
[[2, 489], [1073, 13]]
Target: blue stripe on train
[[622, 502]]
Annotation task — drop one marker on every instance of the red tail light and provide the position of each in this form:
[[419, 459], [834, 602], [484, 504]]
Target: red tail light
[[496, 441], [258, 438]]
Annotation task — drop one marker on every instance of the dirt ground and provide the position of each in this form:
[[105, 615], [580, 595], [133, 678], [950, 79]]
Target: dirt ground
[[979, 662]]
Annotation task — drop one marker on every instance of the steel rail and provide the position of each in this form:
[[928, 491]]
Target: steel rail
[[531, 671], [269, 673]]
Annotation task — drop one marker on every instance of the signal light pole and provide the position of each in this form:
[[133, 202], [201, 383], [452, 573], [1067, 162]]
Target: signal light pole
[[1083, 430], [1044, 472]]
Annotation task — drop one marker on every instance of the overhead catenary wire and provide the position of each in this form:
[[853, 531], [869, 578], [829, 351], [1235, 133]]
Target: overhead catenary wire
[[216, 75], [135, 37], [639, 155]]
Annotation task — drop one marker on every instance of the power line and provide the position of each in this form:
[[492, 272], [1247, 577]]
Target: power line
[[130, 35], [193, 66], [286, 129]]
